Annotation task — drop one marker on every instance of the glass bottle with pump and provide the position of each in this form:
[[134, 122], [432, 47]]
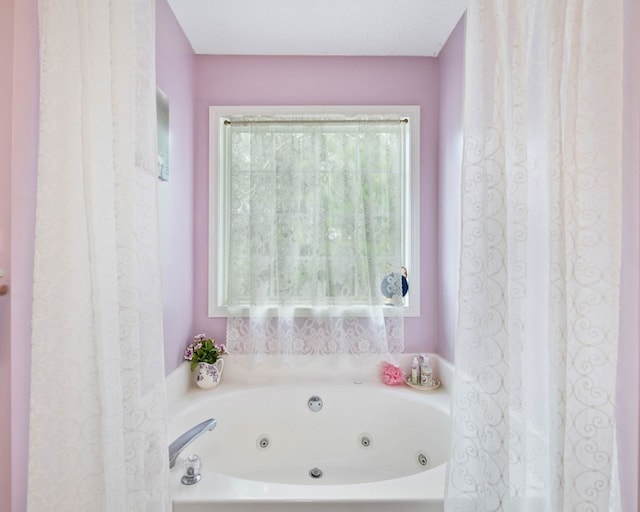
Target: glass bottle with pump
[[415, 371], [426, 373]]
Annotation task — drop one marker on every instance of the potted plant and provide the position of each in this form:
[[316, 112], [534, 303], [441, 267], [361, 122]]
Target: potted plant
[[205, 357]]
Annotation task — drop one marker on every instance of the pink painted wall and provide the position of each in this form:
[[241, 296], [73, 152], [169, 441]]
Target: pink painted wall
[[23, 201], [18, 155], [6, 108], [451, 61], [244, 80], [628, 412], [175, 74]]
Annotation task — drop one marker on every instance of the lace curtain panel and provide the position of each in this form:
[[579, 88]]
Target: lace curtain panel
[[536, 354], [315, 225], [97, 427]]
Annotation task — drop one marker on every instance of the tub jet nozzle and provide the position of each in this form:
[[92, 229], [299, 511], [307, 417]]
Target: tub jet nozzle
[[315, 473]]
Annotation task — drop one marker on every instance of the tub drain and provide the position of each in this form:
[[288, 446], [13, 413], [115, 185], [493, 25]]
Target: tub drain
[[314, 403], [315, 473]]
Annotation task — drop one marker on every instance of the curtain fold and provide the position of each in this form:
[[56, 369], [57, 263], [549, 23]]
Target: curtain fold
[[98, 418], [315, 225], [536, 348]]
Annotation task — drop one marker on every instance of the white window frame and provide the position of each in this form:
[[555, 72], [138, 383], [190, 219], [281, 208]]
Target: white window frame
[[218, 215]]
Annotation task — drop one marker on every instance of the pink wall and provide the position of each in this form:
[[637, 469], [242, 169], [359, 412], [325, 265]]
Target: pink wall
[[23, 186], [6, 107], [175, 71], [451, 61], [628, 413], [248, 80], [18, 154]]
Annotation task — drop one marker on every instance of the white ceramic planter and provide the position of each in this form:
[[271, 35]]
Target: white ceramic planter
[[208, 375]]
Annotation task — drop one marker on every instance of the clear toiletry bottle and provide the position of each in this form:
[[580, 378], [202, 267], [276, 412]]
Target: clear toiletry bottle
[[415, 371], [426, 373]]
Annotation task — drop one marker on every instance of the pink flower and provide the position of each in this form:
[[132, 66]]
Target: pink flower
[[392, 375]]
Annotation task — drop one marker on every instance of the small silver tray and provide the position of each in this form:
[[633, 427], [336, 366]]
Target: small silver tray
[[419, 387]]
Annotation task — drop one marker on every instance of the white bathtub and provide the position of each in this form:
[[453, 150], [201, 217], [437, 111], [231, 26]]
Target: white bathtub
[[378, 448]]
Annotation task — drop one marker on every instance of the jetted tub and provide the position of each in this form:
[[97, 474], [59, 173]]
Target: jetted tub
[[369, 447]]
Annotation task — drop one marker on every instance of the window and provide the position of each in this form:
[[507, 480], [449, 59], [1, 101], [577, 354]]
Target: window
[[311, 179]]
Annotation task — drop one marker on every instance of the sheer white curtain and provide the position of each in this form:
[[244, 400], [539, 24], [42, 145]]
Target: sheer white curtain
[[533, 413], [97, 431], [316, 220]]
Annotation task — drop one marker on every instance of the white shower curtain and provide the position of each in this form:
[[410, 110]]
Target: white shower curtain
[[536, 348], [97, 431]]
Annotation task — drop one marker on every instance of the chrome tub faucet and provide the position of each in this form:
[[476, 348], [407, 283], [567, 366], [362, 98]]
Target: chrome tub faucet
[[188, 437]]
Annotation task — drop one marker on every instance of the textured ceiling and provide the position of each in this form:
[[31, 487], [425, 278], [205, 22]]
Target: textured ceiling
[[318, 27]]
